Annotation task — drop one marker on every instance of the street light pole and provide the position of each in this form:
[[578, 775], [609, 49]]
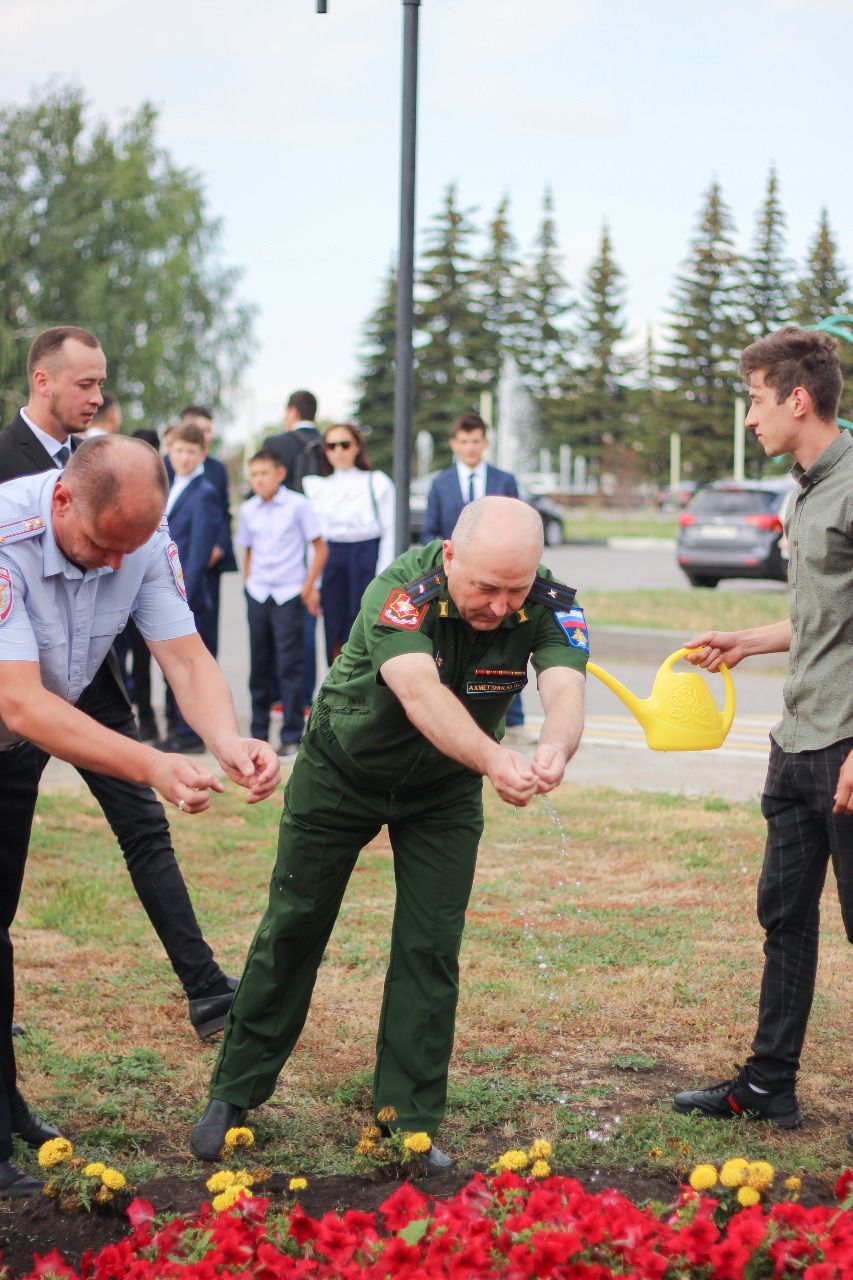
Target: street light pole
[[404, 359]]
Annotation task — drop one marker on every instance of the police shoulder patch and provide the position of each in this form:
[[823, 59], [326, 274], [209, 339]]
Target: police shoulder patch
[[400, 611], [572, 623], [18, 530], [6, 594], [556, 595], [176, 568]]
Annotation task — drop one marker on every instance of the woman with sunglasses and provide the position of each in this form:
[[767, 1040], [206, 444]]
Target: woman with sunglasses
[[355, 506]]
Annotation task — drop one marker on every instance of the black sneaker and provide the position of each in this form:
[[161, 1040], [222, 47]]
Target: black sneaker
[[736, 1098]]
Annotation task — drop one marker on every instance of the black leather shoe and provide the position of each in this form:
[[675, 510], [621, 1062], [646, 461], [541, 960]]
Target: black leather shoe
[[14, 1183], [182, 745], [209, 1134], [436, 1161], [28, 1126], [207, 1013], [17, 1029], [735, 1098]]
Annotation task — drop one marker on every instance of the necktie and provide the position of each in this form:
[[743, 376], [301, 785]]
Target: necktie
[[61, 456], [471, 487]]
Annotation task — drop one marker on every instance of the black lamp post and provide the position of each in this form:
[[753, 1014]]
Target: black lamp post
[[404, 358]]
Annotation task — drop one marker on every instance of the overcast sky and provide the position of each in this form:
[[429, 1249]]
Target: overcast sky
[[293, 122]]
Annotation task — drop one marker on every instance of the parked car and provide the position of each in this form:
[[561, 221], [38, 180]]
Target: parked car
[[550, 512], [733, 529], [669, 498]]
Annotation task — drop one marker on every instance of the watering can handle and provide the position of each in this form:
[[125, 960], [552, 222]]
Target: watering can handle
[[728, 712]]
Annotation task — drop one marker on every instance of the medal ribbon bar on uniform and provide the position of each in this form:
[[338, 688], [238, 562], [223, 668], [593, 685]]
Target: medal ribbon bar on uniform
[[556, 595]]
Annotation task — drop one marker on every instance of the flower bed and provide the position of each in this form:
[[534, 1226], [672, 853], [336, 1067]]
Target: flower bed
[[508, 1226]]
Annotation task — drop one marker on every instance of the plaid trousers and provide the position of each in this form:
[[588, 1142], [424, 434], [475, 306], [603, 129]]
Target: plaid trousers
[[802, 835]]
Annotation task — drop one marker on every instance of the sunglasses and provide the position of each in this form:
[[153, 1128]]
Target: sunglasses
[[337, 444]]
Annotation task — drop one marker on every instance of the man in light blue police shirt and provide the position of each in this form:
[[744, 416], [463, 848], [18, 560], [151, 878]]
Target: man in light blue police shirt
[[79, 551]]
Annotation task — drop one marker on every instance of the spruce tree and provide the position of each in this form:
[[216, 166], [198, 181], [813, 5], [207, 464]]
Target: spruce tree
[[706, 336], [451, 356], [544, 339], [824, 290], [767, 288], [375, 405], [596, 411], [497, 280]]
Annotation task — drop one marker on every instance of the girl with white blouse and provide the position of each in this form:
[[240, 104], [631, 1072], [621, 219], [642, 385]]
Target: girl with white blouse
[[355, 507]]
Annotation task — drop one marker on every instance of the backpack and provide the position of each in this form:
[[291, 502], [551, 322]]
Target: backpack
[[308, 462]]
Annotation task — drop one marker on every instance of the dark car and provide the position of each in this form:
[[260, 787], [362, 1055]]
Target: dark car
[[733, 529], [551, 513]]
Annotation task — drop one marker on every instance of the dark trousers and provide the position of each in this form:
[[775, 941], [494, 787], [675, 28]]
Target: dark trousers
[[175, 722], [276, 652], [138, 821], [329, 816], [351, 566], [803, 835], [134, 659]]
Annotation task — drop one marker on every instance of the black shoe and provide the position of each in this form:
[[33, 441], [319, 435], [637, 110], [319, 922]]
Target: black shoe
[[736, 1098], [208, 1135], [435, 1161], [183, 745], [207, 1013], [148, 731], [17, 1029], [28, 1126], [14, 1183]]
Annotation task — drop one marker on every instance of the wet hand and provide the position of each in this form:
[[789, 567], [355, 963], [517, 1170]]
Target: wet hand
[[182, 782], [512, 777], [251, 764], [549, 765]]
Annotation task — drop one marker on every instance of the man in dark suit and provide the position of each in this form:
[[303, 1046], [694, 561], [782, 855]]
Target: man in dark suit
[[66, 368], [222, 558], [469, 478], [290, 445]]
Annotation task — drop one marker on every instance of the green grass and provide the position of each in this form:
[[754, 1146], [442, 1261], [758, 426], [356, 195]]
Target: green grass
[[594, 526], [688, 612], [611, 956]]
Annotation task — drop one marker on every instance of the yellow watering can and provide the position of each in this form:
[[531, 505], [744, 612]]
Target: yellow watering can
[[680, 714]]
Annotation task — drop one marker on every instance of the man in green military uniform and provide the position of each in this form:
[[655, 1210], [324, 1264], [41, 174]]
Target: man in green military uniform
[[404, 728]]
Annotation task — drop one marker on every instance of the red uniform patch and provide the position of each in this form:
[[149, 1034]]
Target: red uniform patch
[[5, 595], [398, 611]]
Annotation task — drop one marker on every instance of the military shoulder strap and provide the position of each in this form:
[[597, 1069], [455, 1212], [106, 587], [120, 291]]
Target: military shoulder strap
[[426, 587], [18, 530], [556, 595]]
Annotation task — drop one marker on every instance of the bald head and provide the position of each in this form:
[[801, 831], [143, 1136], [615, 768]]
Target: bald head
[[491, 559], [121, 475]]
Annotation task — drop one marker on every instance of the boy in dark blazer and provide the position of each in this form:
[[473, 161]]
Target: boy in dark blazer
[[193, 512], [470, 477]]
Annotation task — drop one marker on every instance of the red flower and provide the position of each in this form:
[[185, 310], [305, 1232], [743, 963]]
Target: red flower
[[51, 1264], [844, 1185], [140, 1212], [402, 1206]]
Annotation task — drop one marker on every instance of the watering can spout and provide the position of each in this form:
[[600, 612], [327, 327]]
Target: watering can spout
[[680, 714]]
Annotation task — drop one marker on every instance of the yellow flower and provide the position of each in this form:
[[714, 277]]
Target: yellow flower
[[297, 1184], [94, 1170], [386, 1115], [656, 1153], [540, 1168], [371, 1131], [759, 1175], [219, 1181], [734, 1172], [513, 1161], [54, 1151], [540, 1149], [748, 1195], [103, 1195], [419, 1143], [365, 1147], [703, 1177], [793, 1183], [113, 1179], [242, 1178], [239, 1137], [229, 1197]]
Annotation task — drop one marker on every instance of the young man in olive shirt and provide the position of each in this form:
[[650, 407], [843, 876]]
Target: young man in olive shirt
[[794, 381], [402, 732]]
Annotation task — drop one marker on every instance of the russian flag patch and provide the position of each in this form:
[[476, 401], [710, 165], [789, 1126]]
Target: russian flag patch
[[572, 623]]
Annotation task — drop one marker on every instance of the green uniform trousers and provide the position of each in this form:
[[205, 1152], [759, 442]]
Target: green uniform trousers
[[330, 814]]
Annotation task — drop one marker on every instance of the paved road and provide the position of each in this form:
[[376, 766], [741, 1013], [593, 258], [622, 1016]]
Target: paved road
[[613, 752]]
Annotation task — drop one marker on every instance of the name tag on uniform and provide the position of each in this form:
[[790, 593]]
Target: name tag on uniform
[[492, 682]]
